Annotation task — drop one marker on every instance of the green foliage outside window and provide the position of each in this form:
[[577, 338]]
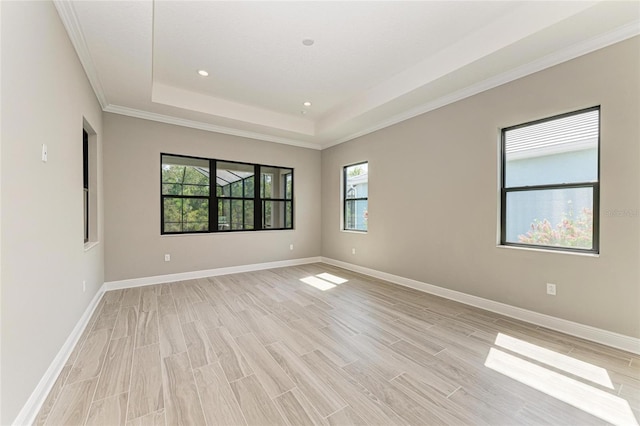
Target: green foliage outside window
[[186, 196], [185, 214]]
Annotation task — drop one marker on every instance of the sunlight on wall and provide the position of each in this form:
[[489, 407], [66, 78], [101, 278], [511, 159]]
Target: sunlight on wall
[[323, 281], [590, 399], [566, 363]]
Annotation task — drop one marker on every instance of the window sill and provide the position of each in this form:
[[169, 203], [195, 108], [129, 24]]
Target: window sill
[[193, 234], [91, 244], [347, 231], [543, 250]]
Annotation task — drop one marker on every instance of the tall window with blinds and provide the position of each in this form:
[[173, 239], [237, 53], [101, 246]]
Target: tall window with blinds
[[355, 189], [550, 183]]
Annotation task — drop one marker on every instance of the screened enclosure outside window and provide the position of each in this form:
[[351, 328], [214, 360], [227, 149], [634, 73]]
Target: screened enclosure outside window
[[276, 194], [550, 182], [235, 190], [185, 194], [356, 197], [240, 202]]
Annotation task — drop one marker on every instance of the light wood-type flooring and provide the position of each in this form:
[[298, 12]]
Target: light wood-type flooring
[[316, 344]]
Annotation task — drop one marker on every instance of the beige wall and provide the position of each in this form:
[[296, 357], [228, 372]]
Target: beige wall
[[45, 95], [433, 188], [134, 246]]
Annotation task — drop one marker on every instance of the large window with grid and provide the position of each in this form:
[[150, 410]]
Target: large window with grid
[[550, 182], [247, 197]]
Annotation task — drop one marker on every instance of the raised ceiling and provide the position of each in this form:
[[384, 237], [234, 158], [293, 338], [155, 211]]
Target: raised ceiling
[[371, 64]]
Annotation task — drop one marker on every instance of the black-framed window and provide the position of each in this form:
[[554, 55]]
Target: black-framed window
[[276, 197], [550, 187], [355, 190], [242, 202], [235, 191], [85, 182], [185, 194]]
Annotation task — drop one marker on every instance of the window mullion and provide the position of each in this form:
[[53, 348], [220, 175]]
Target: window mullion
[[213, 197], [257, 203]]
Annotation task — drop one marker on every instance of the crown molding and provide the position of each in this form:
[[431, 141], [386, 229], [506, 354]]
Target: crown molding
[[161, 118], [579, 49], [70, 21]]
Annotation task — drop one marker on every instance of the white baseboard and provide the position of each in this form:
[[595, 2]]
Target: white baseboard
[[609, 338], [159, 279], [30, 410]]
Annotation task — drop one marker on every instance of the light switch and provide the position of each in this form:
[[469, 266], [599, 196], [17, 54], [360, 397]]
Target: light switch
[[44, 153]]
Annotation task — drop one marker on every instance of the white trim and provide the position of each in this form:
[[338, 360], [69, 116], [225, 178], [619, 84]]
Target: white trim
[[159, 279], [91, 244], [74, 30], [70, 21], [609, 338], [579, 49], [30, 410], [543, 250], [161, 118]]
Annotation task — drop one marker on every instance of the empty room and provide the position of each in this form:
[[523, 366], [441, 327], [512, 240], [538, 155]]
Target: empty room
[[319, 213]]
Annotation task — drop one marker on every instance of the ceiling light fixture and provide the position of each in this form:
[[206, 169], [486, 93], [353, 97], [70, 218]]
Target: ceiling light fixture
[[308, 42], [307, 104], [203, 73]]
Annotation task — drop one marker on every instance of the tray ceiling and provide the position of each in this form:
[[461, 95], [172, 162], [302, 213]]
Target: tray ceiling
[[362, 65]]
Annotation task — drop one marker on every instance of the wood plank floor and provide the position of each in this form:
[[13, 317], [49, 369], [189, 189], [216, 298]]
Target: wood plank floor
[[316, 344]]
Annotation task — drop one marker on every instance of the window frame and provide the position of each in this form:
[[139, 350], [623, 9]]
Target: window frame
[[283, 199], [90, 167], [85, 183], [594, 185], [213, 198], [214, 220], [345, 198]]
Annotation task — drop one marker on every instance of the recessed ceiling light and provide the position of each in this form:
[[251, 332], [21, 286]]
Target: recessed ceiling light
[[203, 73], [307, 104], [308, 42]]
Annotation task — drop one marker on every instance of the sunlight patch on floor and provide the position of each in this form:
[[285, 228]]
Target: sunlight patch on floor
[[562, 362], [332, 278], [323, 281], [599, 403], [318, 283]]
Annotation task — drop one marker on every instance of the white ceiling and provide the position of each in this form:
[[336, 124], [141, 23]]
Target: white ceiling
[[373, 64]]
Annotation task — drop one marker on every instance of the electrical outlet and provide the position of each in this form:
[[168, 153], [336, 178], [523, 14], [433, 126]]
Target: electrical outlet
[[551, 289], [353, 251], [44, 153], [290, 246], [167, 257], [84, 286]]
